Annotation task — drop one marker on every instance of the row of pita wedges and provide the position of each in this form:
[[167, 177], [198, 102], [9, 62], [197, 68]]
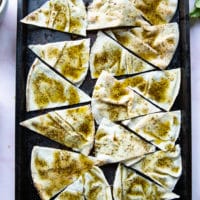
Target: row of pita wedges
[[129, 111], [71, 15]]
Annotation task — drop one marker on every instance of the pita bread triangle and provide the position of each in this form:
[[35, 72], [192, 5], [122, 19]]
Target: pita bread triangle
[[113, 13], [161, 129], [91, 185], [160, 87], [164, 167], [95, 185], [115, 101], [73, 127], [155, 44], [62, 15], [156, 12], [108, 55], [54, 169], [69, 58], [130, 185], [113, 143], [46, 89], [73, 191]]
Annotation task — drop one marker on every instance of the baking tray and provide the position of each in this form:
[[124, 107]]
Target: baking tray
[[26, 139]]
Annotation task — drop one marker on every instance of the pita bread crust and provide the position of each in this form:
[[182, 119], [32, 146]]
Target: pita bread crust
[[108, 55], [50, 169], [62, 15], [69, 58], [129, 185], [155, 44], [113, 13], [161, 129], [165, 168], [113, 143], [113, 101], [46, 89], [160, 87], [157, 12], [73, 128]]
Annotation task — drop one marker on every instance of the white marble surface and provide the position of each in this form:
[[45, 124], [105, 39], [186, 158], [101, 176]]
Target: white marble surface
[[7, 103]]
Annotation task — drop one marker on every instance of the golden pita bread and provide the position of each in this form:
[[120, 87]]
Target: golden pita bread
[[130, 185], [108, 55], [113, 13], [62, 15], [161, 129], [116, 102], [92, 185], [164, 167], [155, 44], [73, 127], [46, 89], [160, 87], [157, 11], [69, 58], [113, 143], [53, 169]]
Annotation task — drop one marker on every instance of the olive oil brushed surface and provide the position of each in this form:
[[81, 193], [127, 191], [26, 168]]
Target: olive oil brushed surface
[[26, 139]]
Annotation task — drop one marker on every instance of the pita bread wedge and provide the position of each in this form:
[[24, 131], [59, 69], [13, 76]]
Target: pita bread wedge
[[108, 55], [160, 87], [155, 44], [69, 58], [62, 15], [164, 167], [113, 13], [131, 186], [157, 12], [73, 191], [73, 127], [95, 185], [113, 143], [53, 169], [91, 185], [46, 89], [161, 129], [114, 101]]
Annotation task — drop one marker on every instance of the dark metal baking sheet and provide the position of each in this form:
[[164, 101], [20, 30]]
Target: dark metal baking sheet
[[25, 139]]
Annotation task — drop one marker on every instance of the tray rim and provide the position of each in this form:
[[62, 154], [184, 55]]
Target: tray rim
[[184, 40]]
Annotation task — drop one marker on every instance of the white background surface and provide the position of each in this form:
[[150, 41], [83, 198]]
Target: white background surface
[[7, 103]]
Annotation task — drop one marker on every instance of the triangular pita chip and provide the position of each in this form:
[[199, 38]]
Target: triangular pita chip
[[157, 12], [73, 191], [62, 15], [46, 89], [108, 55], [53, 169], [155, 44], [113, 143], [160, 87], [113, 13], [91, 185], [69, 58], [161, 129], [95, 185], [130, 185], [114, 101], [164, 167], [73, 127]]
